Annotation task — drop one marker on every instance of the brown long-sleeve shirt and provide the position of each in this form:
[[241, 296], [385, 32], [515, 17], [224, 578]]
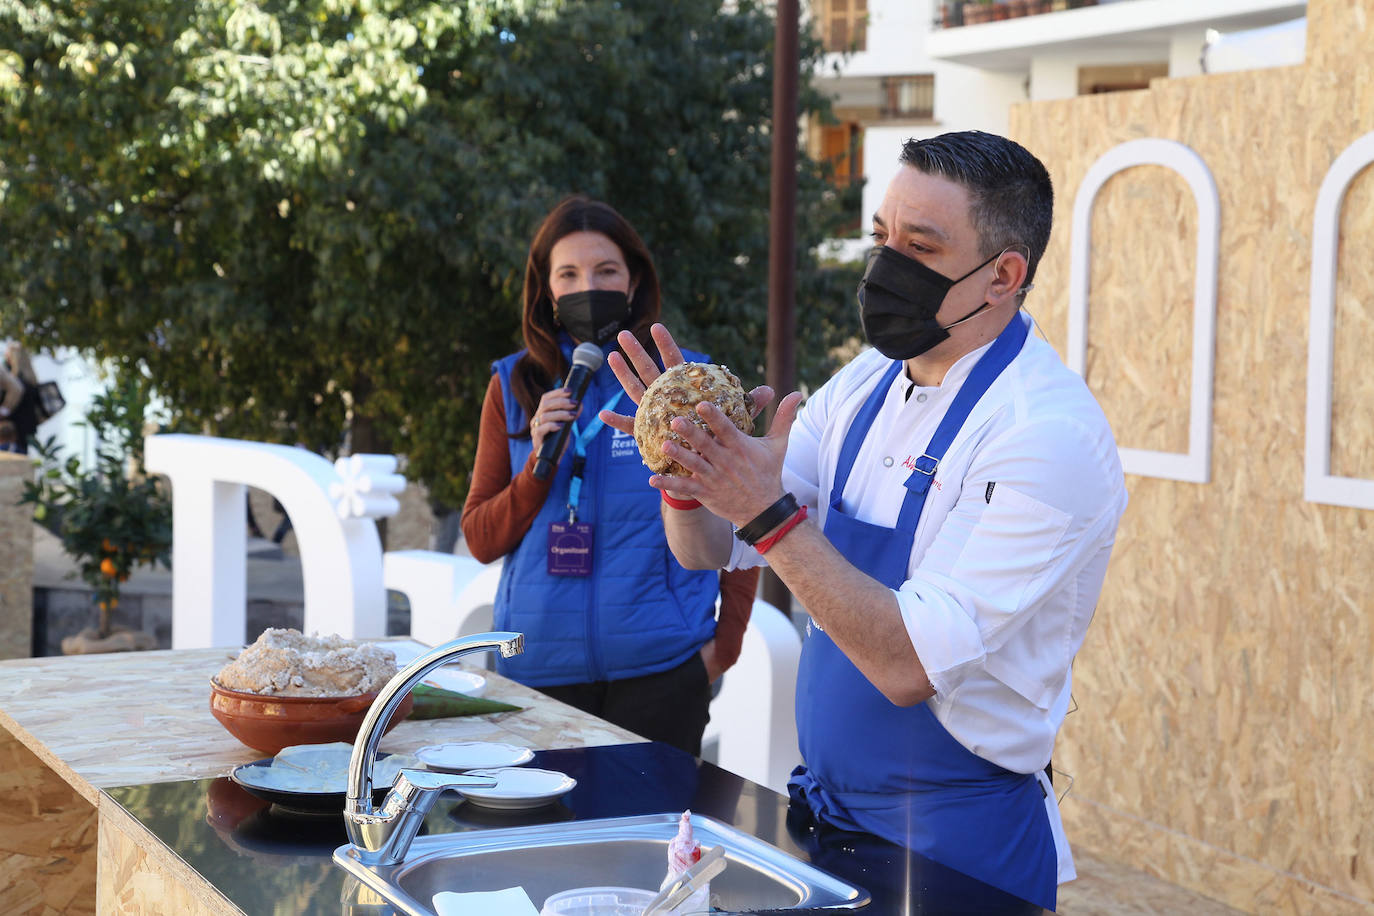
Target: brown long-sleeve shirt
[[501, 507]]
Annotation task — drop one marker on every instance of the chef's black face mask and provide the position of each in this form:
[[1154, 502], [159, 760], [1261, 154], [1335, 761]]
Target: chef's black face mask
[[899, 298], [594, 315]]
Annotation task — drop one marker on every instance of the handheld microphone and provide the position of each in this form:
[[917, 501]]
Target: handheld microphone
[[586, 359]]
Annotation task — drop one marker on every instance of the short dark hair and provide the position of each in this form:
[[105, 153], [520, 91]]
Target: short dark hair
[[1012, 197]]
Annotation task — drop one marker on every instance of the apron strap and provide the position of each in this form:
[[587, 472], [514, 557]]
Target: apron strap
[[989, 366], [858, 429]]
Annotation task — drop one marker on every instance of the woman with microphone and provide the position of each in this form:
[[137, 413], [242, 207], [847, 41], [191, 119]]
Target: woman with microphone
[[613, 624]]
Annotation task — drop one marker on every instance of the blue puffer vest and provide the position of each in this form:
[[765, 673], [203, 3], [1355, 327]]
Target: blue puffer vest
[[639, 612]]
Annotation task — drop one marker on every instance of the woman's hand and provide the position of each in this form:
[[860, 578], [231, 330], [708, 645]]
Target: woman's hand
[[714, 669], [556, 408]]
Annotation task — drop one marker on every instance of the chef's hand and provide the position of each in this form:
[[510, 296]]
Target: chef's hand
[[734, 475], [641, 371]]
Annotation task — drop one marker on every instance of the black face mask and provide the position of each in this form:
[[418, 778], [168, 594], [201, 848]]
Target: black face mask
[[594, 315], [899, 298]]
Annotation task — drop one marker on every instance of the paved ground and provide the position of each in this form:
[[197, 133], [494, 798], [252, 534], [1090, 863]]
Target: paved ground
[[271, 574]]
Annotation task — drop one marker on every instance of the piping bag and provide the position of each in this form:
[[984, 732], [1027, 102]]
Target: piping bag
[[697, 877]]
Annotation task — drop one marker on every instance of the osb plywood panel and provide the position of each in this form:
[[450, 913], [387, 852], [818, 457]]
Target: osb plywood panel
[[16, 569], [1225, 689], [1352, 394], [141, 877], [1140, 290], [47, 838]]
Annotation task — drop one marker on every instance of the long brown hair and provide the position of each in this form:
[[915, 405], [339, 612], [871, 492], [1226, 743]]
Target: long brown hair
[[543, 366]]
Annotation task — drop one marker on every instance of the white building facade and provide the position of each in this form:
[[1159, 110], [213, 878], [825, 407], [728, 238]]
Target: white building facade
[[897, 69]]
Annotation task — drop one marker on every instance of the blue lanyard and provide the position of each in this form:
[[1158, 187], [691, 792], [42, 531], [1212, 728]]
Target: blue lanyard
[[580, 440]]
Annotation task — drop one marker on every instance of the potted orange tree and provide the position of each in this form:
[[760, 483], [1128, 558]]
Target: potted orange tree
[[110, 518]]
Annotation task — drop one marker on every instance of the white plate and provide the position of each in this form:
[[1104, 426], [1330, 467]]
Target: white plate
[[469, 755], [519, 787], [449, 677], [314, 776]]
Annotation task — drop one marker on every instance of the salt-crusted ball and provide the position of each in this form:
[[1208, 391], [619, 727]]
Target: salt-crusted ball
[[676, 393]]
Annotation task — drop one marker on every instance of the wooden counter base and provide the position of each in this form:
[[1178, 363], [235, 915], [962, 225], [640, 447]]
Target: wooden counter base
[[139, 876], [47, 837]]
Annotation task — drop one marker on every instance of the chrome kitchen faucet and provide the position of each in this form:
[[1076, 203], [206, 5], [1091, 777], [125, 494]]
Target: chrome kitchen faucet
[[382, 835]]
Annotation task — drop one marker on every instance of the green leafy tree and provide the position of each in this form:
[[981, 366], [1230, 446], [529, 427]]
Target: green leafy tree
[[307, 220]]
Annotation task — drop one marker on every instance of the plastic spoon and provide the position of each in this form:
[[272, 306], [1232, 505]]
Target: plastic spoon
[[711, 863]]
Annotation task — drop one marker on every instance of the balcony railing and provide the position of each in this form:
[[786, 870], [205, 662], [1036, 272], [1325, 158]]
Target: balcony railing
[[956, 13]]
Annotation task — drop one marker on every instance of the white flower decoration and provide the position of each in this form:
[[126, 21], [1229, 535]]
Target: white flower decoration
[[368, 487]]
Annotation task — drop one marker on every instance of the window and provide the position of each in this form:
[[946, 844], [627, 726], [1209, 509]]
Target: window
[[844, 24], [1119, 78], [842, 146], [909, 97]]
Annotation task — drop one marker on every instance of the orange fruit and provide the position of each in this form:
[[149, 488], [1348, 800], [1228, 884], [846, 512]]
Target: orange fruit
[[107, 567]]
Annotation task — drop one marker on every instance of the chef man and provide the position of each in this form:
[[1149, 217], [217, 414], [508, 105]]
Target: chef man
[[944, 508]]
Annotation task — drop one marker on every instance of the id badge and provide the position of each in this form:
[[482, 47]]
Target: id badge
[[570, 549]]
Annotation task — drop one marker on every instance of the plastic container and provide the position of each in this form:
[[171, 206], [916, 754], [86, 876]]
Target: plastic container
[[598, 901]]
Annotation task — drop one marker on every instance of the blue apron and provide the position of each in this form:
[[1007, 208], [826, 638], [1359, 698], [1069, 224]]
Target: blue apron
[[895, 771]]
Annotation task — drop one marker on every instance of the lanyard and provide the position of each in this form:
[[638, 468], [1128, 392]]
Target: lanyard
[[580, 440]]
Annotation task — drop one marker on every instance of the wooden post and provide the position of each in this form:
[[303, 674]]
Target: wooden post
[[782, 363]]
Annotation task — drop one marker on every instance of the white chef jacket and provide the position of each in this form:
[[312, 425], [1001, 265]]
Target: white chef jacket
[[1012, 546]]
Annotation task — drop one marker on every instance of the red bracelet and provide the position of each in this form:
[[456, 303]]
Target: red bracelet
[[680, 503], [766, 544]]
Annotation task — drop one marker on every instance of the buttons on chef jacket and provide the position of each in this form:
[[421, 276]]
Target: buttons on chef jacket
[[921, 397], [887, 462]]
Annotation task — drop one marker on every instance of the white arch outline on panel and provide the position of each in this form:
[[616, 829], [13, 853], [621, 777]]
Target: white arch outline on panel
[[1319, 486], [1196, 465]]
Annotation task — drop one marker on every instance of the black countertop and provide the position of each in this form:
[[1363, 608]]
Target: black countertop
[[268, 862]]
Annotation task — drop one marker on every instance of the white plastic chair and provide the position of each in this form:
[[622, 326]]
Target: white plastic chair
[[753, 717], [474, 606]]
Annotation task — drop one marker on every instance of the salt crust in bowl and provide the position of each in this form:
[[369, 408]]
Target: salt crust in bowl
[[288, 688], [287, 663]]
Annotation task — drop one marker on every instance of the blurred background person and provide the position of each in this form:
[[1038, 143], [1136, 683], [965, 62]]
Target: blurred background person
[[9, 437], [19, 396], [629, 634]]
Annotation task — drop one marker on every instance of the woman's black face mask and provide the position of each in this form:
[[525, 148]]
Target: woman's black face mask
[[899, 298], [594, 315]]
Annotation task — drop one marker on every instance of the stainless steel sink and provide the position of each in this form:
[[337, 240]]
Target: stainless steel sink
[[623, 852]]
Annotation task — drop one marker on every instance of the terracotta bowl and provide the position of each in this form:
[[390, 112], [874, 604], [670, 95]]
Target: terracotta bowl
[[270, 723]]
